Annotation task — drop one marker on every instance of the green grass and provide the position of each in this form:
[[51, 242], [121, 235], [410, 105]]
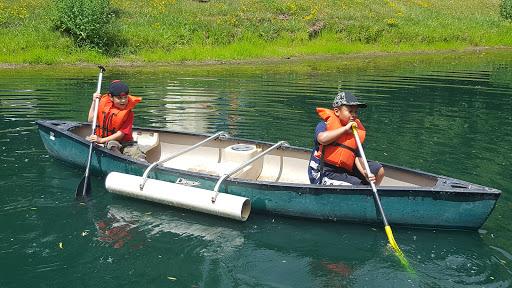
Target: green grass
[[187, 30]]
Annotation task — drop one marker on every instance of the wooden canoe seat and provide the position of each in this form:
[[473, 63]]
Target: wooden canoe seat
[[146, 140]]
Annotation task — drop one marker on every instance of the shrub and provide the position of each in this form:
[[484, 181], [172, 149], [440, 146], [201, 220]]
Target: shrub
[[506, 9], [86, 21]]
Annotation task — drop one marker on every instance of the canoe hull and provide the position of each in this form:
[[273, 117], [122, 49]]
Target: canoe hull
[[441, 206]]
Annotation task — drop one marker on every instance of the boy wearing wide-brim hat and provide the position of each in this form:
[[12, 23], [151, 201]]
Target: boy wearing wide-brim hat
[[336, 159], [115, 120]]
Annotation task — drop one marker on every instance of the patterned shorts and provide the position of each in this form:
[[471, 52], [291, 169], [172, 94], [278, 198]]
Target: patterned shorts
[[128, 148]]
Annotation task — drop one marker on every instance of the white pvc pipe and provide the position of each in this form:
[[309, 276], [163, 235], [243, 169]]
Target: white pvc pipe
[[197, 199]]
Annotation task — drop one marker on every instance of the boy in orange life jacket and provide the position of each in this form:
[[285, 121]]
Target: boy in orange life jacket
[[115, 120], [336, 159]]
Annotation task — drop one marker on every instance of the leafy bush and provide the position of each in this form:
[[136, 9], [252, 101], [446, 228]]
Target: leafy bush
[[506, 9], [86, 21]]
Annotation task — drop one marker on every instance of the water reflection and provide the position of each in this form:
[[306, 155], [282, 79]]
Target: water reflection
[[121, 224], [272, 251]]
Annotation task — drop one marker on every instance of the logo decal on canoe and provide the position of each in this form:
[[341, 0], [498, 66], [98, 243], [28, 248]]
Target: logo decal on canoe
[[186, 182]]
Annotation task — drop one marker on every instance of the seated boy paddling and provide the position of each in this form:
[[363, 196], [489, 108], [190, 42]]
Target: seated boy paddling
[[115, 120], [336, 159]]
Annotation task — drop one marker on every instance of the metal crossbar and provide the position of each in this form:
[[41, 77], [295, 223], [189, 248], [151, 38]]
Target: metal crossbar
[[243, 165], [145, 176]]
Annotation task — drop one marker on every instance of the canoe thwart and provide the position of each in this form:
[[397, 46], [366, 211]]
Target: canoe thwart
[[145, 176], [243, 165]]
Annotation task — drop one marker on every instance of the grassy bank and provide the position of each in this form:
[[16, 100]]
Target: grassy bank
[[186, 30]]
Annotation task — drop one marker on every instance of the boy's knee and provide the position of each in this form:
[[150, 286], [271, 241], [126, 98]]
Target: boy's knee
[[379, 176], [113, 145], [134, 152]]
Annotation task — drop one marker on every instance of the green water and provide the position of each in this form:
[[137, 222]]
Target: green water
[[448, 115]]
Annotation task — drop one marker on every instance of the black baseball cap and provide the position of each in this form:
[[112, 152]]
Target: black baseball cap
[[118, 88]]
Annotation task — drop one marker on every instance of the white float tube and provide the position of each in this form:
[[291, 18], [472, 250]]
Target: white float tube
[[197, 199]]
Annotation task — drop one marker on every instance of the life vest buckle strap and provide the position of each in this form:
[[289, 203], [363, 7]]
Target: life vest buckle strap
[[343, 146], [105, 131]]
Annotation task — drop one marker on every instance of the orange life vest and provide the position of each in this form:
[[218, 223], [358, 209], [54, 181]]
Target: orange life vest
[[110, 118], [341, 152]]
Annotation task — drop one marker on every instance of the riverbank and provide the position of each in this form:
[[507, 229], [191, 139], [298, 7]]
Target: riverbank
[[484, 57], [224, 30]]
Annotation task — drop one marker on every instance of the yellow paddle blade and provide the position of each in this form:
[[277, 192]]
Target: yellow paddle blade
[[405, 263], [391, 238], [398, 252]]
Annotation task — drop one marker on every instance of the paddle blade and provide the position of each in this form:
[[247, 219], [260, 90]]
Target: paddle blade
[[83, 189], [398, 252], [391, 238]]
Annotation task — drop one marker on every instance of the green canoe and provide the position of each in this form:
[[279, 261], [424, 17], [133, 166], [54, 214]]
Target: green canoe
[[277, 183]]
